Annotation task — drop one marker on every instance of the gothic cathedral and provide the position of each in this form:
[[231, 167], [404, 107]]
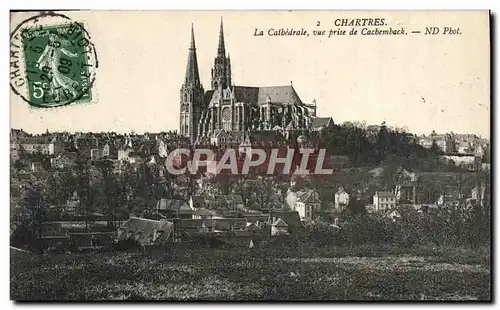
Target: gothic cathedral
[[235, 111]]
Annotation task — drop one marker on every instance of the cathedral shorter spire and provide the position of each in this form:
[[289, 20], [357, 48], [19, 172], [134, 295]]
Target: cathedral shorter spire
[[191, 94], [192, 73]]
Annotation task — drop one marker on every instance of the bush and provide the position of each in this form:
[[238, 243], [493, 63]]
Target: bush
[[443, 227], [126, 244]]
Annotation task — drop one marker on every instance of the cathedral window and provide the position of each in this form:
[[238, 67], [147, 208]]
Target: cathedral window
[[226, 119]]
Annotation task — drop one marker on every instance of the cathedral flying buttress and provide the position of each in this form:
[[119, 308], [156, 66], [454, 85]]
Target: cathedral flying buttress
[[236, 110]]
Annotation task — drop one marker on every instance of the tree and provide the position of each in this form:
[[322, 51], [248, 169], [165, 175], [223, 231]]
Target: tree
[[32, 201], [110, 189], [60, 186], [355, 207], [382, 144], [487, 155], [84, 188], [261, 192], [435, 150], [19, 165]]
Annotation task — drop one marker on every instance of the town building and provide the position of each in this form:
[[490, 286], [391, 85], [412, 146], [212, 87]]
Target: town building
[[341, 199], [32, 145], [321, 123], [14, 151], [291, 218], [88, 147], [480, 194], [175, 208], [146, 232], [384, 201], [279, 227], [64, 160], [217, 202], [307, 204]]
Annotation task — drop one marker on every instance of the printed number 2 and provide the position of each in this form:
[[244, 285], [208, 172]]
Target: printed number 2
[[37, 90], [317, 23]]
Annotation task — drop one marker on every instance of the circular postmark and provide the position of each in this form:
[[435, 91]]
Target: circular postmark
[[52, 61]]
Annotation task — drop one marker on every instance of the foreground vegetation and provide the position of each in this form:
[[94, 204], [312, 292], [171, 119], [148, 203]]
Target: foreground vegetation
[[264, 273]]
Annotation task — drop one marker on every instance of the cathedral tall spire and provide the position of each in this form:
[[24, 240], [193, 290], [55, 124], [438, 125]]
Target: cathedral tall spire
[[192, 73], [193, 46], [221, 72], [221, 50]]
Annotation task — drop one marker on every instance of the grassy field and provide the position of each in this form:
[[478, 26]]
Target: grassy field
[[361, 273]]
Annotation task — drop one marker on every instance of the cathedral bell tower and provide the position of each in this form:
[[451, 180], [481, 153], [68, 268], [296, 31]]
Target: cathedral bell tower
[[221, 72], [191, 95]]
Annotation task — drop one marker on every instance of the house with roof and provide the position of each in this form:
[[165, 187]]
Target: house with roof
[[217, 202], [221, 138], [394, 215], [383, 201], [88, 147], [14, 151], [245, 146], [64, 160], [321, 123], [187, 229], [291, 218], [479, 195], [76, 232], [254, 228], [204, 214], [40, 144], [305, 202], [109, 151], [257, 219], [124, 153], [230, 224], [464, 147], [341, 199], [95, 154], [279, 227], [146, 232], [36, 166], [175, 208]]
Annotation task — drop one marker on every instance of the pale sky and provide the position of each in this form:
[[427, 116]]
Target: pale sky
[[423, 82]]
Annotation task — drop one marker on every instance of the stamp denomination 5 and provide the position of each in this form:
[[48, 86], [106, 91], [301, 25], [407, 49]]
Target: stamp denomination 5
[[52, 61]]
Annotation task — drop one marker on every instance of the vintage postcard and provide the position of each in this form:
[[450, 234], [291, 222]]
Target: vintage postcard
[[250, 155]]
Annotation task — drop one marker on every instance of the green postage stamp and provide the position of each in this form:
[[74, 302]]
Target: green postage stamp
[[52, 64]]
